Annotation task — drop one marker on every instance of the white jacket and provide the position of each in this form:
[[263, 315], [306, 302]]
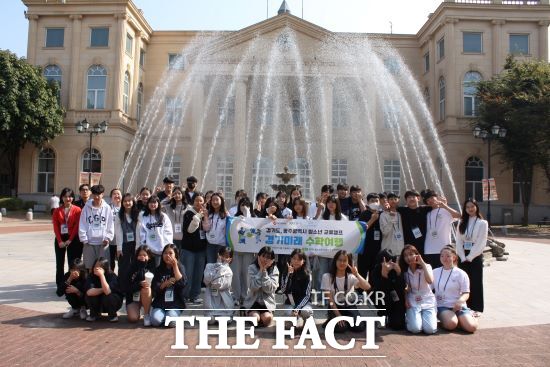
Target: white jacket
[[217, 295], [96, 224], [389, 226], [154, 234], [479, 238]]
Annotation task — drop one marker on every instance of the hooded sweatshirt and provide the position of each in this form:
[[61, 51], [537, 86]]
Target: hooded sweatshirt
[[96, 224]]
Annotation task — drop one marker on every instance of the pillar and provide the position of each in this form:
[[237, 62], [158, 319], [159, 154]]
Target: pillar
[[497, 45], [117, 83], [239, 165], [75, 63], [33, 36], [543, 40]]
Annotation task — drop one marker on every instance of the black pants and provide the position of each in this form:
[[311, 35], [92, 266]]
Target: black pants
[[349, 311], [75, 301], [474, 270], [125, 265], [74, 251], [104, 303], [433, 259], [112, 257]]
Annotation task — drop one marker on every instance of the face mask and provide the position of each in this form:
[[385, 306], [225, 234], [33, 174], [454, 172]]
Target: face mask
[[374, 206]]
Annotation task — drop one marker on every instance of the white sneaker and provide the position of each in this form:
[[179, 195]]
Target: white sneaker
[[70, 314], [90, 318], [83, 313], [146, 320]]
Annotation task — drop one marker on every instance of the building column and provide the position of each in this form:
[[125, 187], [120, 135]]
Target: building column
[[117, 73], [434, 90], [325, 167], [239, 134], [135, 75], [33, 36], [453, 82], [543, 40], [497, 45], [197, 111], [75, 62]]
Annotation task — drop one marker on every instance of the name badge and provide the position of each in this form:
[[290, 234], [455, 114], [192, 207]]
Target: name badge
[[169, 295], [177, 228], [398, 236], [416, 232], [214, 291], [418, 299], [202, 234], [377, 235], [130, 237], [468, 245], [153, 236], [291, 299], [394, 296], [434, 234], [440, 298], [64, 229], [135, 296]]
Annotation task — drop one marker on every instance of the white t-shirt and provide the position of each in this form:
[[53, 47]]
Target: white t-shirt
[[420, 292], [326, 285], [233, 210], [438, 229], [449, 285], [54, 202], [286, 212]]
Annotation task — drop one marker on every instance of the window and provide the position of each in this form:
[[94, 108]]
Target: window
[[224, 175], [517, 183], [46, 170], [52, 73], [55, 37], [97, 81], [95, 161], [441, 49], [519, 44], [340, 109], [301, 167], [472, 42], [141, 58], [173, 114], [226, 111], [392, 176], [426, 62], [390, 116], [297, 113], [427, 95], [129, 44], [126, 93], [441, 99], [471, 101], [99, 37], [172, 167], [175, 62], [262, 175], [139, 101], [339, 171], [474, 175]]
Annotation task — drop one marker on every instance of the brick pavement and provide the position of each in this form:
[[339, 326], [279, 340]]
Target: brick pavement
[[33, 338]]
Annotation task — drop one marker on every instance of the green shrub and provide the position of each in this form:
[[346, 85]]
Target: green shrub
[[11, 203]]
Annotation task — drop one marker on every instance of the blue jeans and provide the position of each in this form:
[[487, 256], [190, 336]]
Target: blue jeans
[[419, 319], [158, 315], [194, 263]]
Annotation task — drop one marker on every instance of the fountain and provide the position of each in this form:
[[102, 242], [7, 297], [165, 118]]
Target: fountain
[[288, 93], [285, 177]]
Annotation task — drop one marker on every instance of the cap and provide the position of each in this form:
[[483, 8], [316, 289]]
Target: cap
[[168, 179]]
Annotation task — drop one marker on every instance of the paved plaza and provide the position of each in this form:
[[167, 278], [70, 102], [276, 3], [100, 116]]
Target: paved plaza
[[514, 330]]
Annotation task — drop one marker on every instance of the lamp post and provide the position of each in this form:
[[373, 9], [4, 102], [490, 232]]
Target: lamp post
[[487, 136], [83, 127]]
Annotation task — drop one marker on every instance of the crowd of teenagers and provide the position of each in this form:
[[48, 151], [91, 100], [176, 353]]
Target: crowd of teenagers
[[166, 244]]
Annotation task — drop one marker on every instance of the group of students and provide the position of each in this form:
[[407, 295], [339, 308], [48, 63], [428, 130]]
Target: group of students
[[169, 243]]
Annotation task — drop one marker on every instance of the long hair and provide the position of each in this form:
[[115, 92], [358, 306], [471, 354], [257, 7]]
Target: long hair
[[222, 211], [104, 263], [244, 202], [271, 200], [304, 269], [183, 199], [334, 268], [267, 252], [64, 192], [402, 263], [337, 211], [134, 212], [145, 248], [304, 205], [464, 220], [147, 211]]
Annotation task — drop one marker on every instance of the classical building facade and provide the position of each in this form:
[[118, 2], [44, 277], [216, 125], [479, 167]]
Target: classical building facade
[[109, 62]]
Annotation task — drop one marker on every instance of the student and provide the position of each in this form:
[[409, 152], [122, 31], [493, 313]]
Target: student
[[217, 279], [168, 286], [259, 208], [391, 225], [175, 211], [239, 194], [373, 238], [337, 284], [74, 288], [300, 209], [139, 292], [102, 291], [384, 205], [439, 225], [471, 239], [280, 198], [190, 191], [263, 279], [419, 300], [54, 203], [65, 221], [332, 209], [154, 228], [125, 238], [414, 220], [194, 248], [388, 278], [297, 285], [168, 183], [452, 289], [214, 226], [316, 209], [343, 192], [294, 194], [207, 197], [84, 193], [272, 210], [96, 228], [116, 199], [143, 198], [241, 260], [356, 205]]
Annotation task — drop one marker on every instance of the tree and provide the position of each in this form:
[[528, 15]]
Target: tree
[[29, 109], [518, 99]]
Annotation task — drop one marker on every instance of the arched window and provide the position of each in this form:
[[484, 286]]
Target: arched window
[[302, 167], [95, 161], [474, 175], [97, 82], [126, 93], [53, 74], [469, 85], [139, 101], [46, 170], [441, 99]]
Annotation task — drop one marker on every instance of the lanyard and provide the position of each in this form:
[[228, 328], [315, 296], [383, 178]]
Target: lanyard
[[439, 281], [67, 215], [469, 236], [436, 216], [410, 282], [212, 221], [345, 284], [178, 218], [398, 225]]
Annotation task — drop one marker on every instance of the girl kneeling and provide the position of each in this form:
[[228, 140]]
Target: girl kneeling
[[217, 279], [297, 286], [139, 285], [74, 289]]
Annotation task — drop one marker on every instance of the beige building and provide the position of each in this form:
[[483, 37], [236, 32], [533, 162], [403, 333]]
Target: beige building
[[109, 62]]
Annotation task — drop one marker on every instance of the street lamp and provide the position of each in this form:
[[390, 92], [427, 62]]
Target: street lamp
[[83, 127], [494, 133]]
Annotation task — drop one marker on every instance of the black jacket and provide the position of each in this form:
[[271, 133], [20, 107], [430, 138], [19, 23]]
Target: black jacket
[[79, 283], [161, 274], [411, 218], [192, 241], [299, 285], [112, 280], [136, 276]]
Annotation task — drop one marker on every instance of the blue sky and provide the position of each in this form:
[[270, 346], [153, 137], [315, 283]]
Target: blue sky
[[407, 16]]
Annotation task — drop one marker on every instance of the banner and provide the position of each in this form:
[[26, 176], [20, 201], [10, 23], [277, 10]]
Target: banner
[[493, 185], [83, 178], [315, 237]]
